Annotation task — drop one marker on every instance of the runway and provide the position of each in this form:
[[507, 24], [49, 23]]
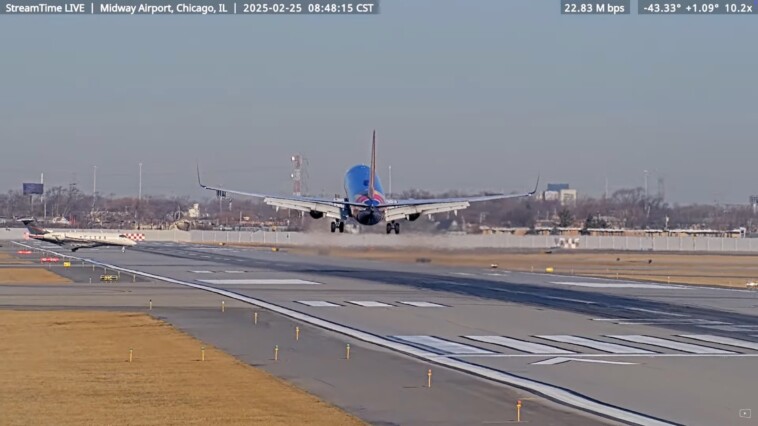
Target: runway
[[636, 352]]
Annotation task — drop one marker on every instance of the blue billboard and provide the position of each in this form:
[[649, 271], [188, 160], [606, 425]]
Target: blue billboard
[[33, 188]]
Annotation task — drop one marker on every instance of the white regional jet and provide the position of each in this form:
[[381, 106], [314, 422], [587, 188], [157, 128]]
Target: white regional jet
[[77, 240]]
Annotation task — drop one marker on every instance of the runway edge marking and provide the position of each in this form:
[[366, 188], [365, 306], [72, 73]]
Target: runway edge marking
[[551, 392]]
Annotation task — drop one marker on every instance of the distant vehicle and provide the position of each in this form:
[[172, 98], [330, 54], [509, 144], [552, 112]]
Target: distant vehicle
[[365, 202], [77, 240]]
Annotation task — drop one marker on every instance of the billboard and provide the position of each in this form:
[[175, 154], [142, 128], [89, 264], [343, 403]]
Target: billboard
[[33, 188]]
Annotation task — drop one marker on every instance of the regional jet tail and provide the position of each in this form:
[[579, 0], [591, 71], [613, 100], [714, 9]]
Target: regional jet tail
[[365, 202], [77, 240]]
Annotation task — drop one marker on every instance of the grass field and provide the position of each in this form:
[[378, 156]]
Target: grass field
[[71, 368], [17, 276], [722, 270]]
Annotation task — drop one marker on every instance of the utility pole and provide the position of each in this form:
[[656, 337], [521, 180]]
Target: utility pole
[[139, 199], [44, 199]]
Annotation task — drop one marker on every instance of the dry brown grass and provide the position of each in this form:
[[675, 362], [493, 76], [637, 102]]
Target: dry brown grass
[[71, 368], [723, 270], [17, 276], [7, 259]]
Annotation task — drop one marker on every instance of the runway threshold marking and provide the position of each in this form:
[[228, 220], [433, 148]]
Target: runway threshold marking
[[370, 304], [423, 304], [520, 345], [670, 344], [728, 341], [613, 348], [318, 303], [555, 393], [442, 346]]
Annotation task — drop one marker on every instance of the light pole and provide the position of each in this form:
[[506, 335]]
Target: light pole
[[140, 182], [390, 182]]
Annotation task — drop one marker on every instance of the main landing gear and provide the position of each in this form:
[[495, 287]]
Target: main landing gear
[[338, 224], [393, 226]]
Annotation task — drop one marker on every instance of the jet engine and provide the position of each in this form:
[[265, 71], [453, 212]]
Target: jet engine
[[316, 214]]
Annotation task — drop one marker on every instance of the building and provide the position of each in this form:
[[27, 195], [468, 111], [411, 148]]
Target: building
[[560, 192]]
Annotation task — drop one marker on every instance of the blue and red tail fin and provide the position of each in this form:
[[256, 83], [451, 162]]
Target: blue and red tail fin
[[372, 172]]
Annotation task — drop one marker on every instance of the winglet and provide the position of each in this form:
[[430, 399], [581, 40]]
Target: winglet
[[199, 182], [372, 171], [534, 191]]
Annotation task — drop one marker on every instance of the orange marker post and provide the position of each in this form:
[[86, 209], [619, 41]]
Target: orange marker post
[[130, 354], [518, 411]]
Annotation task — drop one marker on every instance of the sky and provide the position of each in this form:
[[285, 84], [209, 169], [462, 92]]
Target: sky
[[466, 95]]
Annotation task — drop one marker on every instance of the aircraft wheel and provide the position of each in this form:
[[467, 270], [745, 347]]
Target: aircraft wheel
[[397, 228], [334, 226], [389, 228], [342, 227]]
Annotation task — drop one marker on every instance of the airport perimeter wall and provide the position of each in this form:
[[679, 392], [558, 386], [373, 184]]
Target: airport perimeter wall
[[444, 242], [451, 242]]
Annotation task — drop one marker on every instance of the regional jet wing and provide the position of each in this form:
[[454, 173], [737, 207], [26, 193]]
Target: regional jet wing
[[330, 208]]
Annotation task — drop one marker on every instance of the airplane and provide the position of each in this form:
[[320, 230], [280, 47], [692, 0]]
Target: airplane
[[365, 202], [77, 240]]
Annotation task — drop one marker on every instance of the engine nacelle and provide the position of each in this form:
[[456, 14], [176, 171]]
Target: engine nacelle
[[414, 216], [316, 214]]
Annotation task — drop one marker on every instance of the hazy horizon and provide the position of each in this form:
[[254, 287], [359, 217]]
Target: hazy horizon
[[482, 97]]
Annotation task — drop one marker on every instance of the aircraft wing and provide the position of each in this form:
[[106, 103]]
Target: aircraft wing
[[330, 208], [402, 209]]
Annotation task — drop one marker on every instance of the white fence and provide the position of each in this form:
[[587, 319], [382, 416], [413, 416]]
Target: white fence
[[692, 244], [445, 242]]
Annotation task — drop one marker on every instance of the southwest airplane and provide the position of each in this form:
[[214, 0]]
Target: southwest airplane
[[77, 240], [365, 201]]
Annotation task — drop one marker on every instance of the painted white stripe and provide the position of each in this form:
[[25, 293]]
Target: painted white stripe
[[561, 395], [235, 272], [596, 344], [443, 346], [369, 304], [732, 328], [619, 285], [723, 340], [670, 344], [261, 282], [318, 303], [566, 299], [423, 304], [520, 345], [651, 311], [202, 272]]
